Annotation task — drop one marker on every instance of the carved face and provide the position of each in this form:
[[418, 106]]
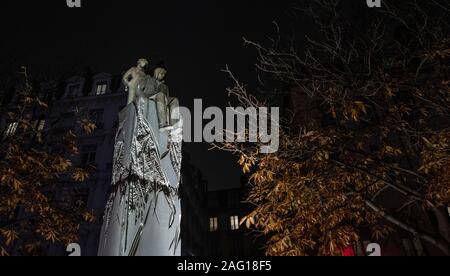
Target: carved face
[[142, 63], [160, 74]]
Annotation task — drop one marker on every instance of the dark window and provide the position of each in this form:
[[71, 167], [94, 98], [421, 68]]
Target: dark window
[[57, 149], [67, 119], [89, 155], [58, 131], [96, 117], [114, 129], [223, 199], [81, 197], [73, 90], [67, 115]]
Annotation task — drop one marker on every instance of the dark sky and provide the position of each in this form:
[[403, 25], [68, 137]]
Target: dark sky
[[196, 39]]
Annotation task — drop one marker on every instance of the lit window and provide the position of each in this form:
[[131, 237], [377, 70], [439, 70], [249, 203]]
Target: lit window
[[40, 125], [213, 224], [101, 88], [234, 223], [11, 129], [448, 209]]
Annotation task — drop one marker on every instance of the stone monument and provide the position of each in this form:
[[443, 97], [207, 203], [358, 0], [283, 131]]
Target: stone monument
[[143, 213]]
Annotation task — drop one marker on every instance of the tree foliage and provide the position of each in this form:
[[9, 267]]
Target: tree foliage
[[372, 150], [38, 178]]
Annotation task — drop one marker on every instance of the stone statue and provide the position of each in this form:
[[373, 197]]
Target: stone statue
[[132, 78], [168, 108], [143, 214], [135, 79]]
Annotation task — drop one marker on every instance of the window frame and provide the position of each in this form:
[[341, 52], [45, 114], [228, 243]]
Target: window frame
[[96, 116], [89, 155], [101, 88], [11, 130], [73, 90], [234, 223], [213, 224]]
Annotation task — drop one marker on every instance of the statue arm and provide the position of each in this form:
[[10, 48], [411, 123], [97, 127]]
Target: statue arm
[[163, 88], [128, 74]]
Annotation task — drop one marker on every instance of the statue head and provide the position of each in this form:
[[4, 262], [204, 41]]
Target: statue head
[[142, 63], [160, 73]]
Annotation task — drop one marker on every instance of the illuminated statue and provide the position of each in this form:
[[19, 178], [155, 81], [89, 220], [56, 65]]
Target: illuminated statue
[[132, 78], [143, 214], [167, 106]]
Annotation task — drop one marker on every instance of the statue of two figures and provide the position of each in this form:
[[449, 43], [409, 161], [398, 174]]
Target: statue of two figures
[[143, 214], [136, 81]]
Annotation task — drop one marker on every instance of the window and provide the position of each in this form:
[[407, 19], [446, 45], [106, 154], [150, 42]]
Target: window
[[101, 88], [73, 90], [39, 125], [448, 210], [58, 131], [81, 198], [213, 224], [96, 117], [89, 155], [67, 119], [234, 223], [114, 130], [67, 115], [11, 129]]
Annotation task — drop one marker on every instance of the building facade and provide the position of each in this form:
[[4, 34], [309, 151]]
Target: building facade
[[194, 220], [98, 98], [226, 236]]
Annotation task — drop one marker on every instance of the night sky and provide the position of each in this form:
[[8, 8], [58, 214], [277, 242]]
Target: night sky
[[196, 39]]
